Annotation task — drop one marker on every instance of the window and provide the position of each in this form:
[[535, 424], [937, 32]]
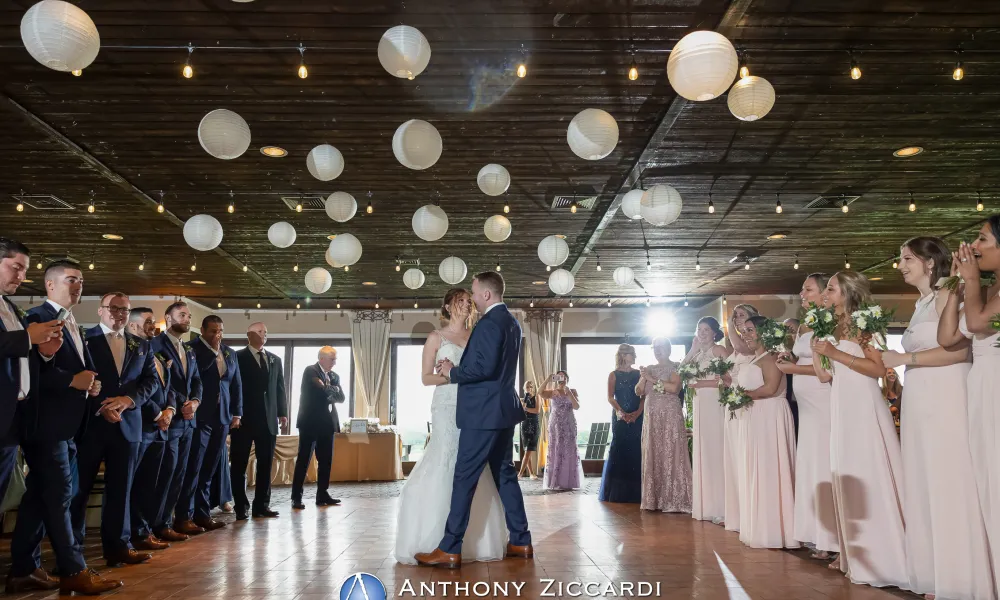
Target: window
[[306, 354]]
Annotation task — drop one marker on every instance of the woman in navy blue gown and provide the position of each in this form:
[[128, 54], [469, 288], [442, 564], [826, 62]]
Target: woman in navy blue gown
[[622, 478]]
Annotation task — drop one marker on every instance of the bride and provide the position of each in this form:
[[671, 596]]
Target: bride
[[426, 498]]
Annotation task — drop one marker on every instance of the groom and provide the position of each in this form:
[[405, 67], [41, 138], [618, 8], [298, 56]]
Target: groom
[[488, 409]]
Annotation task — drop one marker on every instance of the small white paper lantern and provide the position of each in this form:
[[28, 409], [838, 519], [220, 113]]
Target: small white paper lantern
[[60, 35], [553, 251], [414, 279], [281, 234], [417, 145], [702, 65], [404, 51], [318, 280], [497, 228], [561, 282], [341, 207], [345, 249], [631, 202], [430, 223], [493, 179], [330, 261], [751, 98], [624, 276], [224, 134], [452, 270], [592, 134], [660, 205], [203, 232], [325, 162]]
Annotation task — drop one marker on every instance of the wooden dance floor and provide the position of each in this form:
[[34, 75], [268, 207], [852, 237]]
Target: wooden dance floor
[[307, 555]]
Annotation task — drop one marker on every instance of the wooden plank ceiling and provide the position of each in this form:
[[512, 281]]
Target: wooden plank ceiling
[[827, 135]]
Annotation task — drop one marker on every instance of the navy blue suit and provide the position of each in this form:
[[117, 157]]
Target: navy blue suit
[[488, 409], [116, 444], [14, 345], [148, 496]]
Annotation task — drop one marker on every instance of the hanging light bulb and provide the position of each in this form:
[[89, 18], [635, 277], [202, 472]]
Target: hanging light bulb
[[744, 69], [347, 268], [506, 208], [303, 71], [532, 303], [39, 265], [796, 265], [232, 207], [398, 265], [724, 300], [697, 264], [90, 207], [711, 205], [297, 306], [647, 302], [847, 262], [298, 206], [498, 265], [959, 71], [633, 71], [598, 263], [91, 264], [296, 268], [609, 301], [245, 268], [159, 207], [777, 204], [571, 303], [142, 265], [572, 207], [258, 304], [376, 303], [548, 268], [338, 306], [522, 71], [895, 263], [219, 305], [844, 208], [194, 265], [188, 71], [913, 205], [685, 300], [855, 69], [746, 267], [979, 202], [77, 72], [369, 209], [19, 207]]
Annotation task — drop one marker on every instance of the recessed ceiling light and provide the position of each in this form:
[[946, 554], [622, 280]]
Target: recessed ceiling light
[[332, 236], [538, 282], [197, 282], [112, 236], [875, 279], [368, 283], [908, 151], [274, 151], [778, 235]]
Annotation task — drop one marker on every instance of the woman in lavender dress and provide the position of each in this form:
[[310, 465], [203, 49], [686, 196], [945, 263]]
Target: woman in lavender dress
[[562, 462]]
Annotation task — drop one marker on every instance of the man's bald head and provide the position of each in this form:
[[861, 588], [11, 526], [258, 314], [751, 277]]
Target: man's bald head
[[257, 335]]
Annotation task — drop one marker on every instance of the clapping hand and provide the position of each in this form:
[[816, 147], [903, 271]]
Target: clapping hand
[[968, 268]]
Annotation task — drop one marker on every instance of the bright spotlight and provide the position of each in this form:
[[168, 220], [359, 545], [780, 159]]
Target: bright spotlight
[[660, 323]]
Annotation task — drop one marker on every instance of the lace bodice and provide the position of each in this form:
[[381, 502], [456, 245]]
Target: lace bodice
[[447, 394], [703, 357]]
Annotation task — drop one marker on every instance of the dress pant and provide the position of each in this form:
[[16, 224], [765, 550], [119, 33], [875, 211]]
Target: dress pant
[[44, 508], [241, 441], [323, 444], [202, 465], [8, 460], [148, 494], [176, 451], [222, 485]]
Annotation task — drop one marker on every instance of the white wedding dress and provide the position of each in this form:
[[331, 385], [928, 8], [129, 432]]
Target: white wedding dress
[[426, 498]]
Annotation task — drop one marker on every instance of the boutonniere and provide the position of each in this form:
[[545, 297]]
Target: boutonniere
[[133, 345], [163, 359], [225, 353], [20, 312]]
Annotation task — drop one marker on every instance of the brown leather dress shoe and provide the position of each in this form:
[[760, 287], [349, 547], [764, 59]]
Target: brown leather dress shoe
[[87, 582], [188, 527], [439, 558], [169, 535], [39, 580], [208, 524], [149, 543], [127, 556], [520, 551]]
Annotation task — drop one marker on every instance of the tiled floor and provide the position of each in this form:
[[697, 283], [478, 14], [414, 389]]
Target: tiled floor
[[307, 555]]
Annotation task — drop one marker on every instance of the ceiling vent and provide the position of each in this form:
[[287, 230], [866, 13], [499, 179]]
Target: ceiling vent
[[44, 202], [308, 202], [565, 202], [747, 256], [832, 201]]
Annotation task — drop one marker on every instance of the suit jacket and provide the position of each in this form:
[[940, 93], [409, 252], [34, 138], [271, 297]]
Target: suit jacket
[[486, 375], [14, 345], [317, 410], [137, 380], [222, 397], [184, 384], [160, 398], [263, 391]]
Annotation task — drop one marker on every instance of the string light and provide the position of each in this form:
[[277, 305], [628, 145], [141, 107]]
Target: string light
[[777, 204], [369, 209], [142, 265], [744, 68], [159, 207], [347, 268], [90, 207], [532, 303], [522, 70], [855, 69], [194, 265], [844, 208], [548, 268], [746, 267], [571, 303], [959, 71], [245, 268], [979, 202], [188, 71], [647, 302], [572, 207], [847, 262], [685, 299], [303, 71], [895, 263], [796, 265], [232, 203], [376, 302], [415, 304], [598, 261], [39, 265], [609, 301], [19, 207], [697, 264], [296, 268], [338, 306], [913, 205], [258, 304], [633, 71], [398, 267], [93, 256], [506, 208], [711, 205], [297, 306], [220, 305], [498, 265], [77, 72]]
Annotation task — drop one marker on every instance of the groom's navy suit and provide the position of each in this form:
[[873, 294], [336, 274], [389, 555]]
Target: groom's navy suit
[[488, 409]]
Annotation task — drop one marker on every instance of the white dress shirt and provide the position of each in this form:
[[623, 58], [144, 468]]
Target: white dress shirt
[[11, 323], [116, 341], [492, 306], [220, 361], [259, 356], [74, 329]]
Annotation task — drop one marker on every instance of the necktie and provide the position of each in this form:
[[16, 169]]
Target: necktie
[[117, 343], [182, 354], [74, 333], [11, 323], [262, 361], [220, 362]]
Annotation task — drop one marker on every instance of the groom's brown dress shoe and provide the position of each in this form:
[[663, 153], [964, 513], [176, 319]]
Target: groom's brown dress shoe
[[439, 558], [520, 551]]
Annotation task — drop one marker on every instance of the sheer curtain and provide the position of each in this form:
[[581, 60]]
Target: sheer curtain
[[542, 357], [370, 348]]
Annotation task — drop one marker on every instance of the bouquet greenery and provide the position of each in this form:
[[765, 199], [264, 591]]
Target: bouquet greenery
[[718, 367], [772, 336], [871, 324], [952, 283], [823, 323], [995, 324], [734, 398], [689, 373]]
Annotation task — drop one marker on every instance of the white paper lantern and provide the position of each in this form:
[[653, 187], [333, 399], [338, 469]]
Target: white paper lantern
[[592, 134], [561, 282], [417, 145], [60, 35], [325, 162], [330, 261], [203, 232], [702, 65], [414, 279], [624, 276], [281, 234], [497, 228], [751, 98], [318, 280], [224, 134], [493, 179], [341, 207], [345, 249], [430, 223], [660, 205], [630, 203], [404, 51], [553, 251], [452, 270]]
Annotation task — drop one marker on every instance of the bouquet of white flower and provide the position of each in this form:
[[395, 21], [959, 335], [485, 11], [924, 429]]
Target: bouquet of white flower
[[718, 367], [823, 323], [772, 336], [871, 324], [689, 373], [734, 398]]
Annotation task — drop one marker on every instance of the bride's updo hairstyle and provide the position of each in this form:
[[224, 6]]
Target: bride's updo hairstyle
[[449, 299], [713, 324], [855, 289]]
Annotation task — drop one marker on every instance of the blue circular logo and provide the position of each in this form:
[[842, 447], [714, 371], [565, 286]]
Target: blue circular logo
[[362, 586]]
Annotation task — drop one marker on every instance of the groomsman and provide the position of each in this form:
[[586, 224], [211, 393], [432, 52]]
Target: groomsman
[[265, 409], [51, 419], [142, 323], [317, 423], [222, 407], [112, 428]]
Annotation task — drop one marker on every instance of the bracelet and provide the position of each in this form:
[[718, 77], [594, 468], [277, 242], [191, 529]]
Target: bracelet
[[851, 365], [913, 358]]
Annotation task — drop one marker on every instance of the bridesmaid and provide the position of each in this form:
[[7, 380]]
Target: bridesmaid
[[529, 430], [981, 303], [732, 442], [666, 470], [562, 461], [708, 424], [622, 477], [946, 551], [864, 450], [815, 516]]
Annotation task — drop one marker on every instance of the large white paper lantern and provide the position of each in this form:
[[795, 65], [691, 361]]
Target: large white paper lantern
[[224, 134], [345, 249], [631, 202], [404, 51], [702, 65], [592, 134], [493, 179], [325, 162], [452, 270], [561, 282], [60, 35], [281, 234], [203, 232], [497, 228], [553, 251], [417, 144], [624, 276], [341, 207], [414, 279], [660, 205], [318, 280], [330, 261], [751, 98], [430, 223]]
